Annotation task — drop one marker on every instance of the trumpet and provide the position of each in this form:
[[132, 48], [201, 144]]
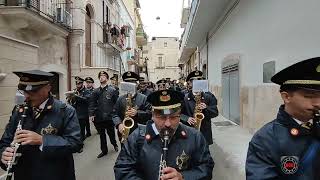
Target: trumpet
[[127, 122], [163, 162], [198, 115], [22, 109]]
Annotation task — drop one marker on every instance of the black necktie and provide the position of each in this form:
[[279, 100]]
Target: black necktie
[[36, 112]]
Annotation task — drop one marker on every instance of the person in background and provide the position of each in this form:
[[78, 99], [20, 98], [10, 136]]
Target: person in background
[[140, 111], [208, 106], [101, 105]]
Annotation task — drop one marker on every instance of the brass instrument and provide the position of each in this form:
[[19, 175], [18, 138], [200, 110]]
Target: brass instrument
[[127, 122], [163, 162], [198, 115], [22, 109], [71, 96]]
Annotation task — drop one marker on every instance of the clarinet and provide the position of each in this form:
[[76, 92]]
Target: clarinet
[[163, 162], [22, 109]]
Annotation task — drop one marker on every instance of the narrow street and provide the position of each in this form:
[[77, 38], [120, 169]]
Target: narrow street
[[88, 166]]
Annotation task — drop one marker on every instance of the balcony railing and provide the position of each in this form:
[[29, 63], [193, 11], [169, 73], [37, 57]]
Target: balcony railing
[[55, 11], [96, 56], [116, 36]]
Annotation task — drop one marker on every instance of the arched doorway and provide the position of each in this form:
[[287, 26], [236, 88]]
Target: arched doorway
[[88, 47]]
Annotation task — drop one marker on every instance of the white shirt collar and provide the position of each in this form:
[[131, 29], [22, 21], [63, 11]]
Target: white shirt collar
[[300, 122], [155, 129], [43, 104]]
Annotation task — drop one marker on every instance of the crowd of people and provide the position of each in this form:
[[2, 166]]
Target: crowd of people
[[164, 129]]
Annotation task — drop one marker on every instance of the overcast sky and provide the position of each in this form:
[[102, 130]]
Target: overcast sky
[[169, 12]]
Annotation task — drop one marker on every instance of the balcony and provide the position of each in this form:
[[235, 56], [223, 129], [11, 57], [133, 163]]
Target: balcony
[[38, 15], [141, 36], [95, 55], [114, 38]]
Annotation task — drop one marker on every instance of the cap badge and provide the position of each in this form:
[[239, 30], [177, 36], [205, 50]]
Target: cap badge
[[165, 97], [129, 74], [182, 161], [28, 88], [24, 79], [318, 68], [196, 73]]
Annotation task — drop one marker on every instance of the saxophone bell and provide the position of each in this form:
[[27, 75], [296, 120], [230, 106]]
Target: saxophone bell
[[198, 115], [127, 122]]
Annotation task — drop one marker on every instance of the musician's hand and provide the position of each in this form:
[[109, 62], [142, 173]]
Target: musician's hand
[[121, 128], [202, 106], [171, 173], [26, 137], [91, 118], [191, 121], [132, 112], [7, 155]]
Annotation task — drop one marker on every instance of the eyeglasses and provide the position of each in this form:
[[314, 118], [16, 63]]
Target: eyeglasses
[[165, 117]]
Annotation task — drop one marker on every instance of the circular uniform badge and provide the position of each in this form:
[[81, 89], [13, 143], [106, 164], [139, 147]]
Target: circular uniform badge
[[294, 131], [289, 164]]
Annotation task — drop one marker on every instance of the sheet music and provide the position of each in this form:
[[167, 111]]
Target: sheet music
[[127, 87], [200, 86]]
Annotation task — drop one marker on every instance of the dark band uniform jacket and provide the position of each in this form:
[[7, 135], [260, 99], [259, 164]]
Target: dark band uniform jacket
[[139, 101], [187, 151], [101, 103], [283, 149], [140, 156], [59, 127]]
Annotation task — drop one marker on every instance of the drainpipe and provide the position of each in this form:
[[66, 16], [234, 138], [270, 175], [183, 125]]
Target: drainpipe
[[207, 59], [68, 64]]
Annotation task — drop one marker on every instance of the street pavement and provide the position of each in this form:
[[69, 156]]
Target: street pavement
[[88, 166]]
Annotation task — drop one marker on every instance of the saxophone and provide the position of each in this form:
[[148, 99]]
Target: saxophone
[[163, 162], [22, 109], [198, 115], [127, 122]]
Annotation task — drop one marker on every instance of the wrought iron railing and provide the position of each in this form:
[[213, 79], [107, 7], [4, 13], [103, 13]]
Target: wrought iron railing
[[96, 56], [56, 11]]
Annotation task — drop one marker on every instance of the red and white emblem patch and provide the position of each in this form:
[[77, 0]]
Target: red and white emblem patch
[[289, 164]]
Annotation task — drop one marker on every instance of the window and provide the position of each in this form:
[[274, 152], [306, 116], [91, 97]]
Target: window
[[268, 71], [165, 44], [159, 61]]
